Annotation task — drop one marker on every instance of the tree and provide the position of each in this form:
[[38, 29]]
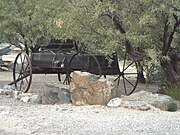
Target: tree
[[164, 33], [96, 23], [27, 23], [105, 26], [170, 43], [101, 25], [112, 24]]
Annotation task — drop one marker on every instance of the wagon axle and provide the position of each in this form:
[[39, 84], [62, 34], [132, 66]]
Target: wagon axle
[[49, 60]]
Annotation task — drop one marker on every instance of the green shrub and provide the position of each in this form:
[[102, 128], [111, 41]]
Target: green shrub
[[172, 107], [172, 91], [155, 74]]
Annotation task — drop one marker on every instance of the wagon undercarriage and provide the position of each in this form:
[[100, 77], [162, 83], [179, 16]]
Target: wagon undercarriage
[[59, 59]]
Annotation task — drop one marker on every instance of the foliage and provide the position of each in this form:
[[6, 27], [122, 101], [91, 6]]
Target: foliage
[[90, 22], [172, 91], [141, 22], [152, 69], [154, 73], [99, 25], [25, 22], [172, 107]]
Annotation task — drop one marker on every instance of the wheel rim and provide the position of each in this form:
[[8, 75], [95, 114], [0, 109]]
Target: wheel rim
[[69, 68], [22, 72], [128, 79]]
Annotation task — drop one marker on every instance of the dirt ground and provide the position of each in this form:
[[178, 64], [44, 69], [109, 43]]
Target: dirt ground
[[39, 81], [19, 118]]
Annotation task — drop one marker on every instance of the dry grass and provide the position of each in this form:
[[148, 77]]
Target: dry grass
[[173, 91]]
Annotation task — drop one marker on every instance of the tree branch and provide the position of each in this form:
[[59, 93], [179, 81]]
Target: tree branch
[[175, 8], [118, 26], [165, 36]]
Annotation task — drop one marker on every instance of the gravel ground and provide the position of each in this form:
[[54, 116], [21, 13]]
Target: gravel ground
[[26, 118], [18, 118]]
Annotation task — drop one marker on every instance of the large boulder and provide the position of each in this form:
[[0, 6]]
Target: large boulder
[[88, 89], [144, 100], [55, 93]]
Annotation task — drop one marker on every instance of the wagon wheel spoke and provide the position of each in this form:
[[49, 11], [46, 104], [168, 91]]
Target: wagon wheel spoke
[[124, 84], [78, 63], [128, 66], [129, 72], [23, 65], [21, 84], [67, 80], [22, 77], [26, 70], [68, 77], [22, 61], [22, 72], [124, 78], [26, 80]]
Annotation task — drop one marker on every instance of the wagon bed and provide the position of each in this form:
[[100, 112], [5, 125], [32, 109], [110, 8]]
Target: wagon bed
[[64, 58]]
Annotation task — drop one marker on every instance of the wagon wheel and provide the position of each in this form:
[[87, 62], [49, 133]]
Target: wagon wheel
[[128, 76], [22, 72], [70, 69]]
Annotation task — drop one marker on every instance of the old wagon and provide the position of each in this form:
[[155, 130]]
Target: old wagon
[[64, 58]]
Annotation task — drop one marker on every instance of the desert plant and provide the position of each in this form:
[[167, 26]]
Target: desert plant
[[155, 74], [172, 91], [172, 107]]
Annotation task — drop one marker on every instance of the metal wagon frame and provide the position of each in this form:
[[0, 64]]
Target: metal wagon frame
[[64, 57]]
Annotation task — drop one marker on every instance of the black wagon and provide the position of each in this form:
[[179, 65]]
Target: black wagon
[[59, 57]]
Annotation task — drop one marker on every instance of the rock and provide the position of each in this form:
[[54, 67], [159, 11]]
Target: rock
[[138, 106], [178, 104], [16, 94], [7, 89], [25, 99], [21, 95], [4, 68], [36, 99], [146, 100], [115, 102], [64, 96], [55, 93], [87, 89], [1, 91]]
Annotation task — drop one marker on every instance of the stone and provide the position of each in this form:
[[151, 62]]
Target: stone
[[16, 94], [88, 89], [1, 91], [21, 95], [25, 99], [7, 89], [36, 99], [146, 100], [64, 96], [115, 102], [4, 68], [55, 93]]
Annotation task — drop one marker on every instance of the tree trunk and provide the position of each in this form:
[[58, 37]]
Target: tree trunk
[[175, 60], [140, 76], [170, 73], [170, 66], [26, 49]]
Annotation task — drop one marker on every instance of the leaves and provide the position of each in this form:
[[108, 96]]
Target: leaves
[[89, 22]]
